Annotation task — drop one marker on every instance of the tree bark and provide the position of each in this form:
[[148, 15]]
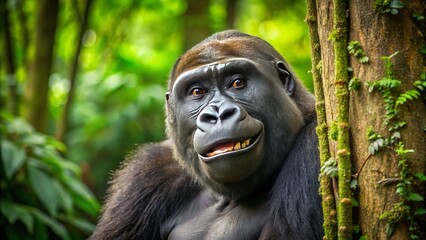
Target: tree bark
[[62, 127], [379, 34], [326, 190], [36, 95]]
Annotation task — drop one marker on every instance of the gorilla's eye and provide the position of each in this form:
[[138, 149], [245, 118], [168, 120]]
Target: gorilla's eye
[[239, 82], [196, 92]]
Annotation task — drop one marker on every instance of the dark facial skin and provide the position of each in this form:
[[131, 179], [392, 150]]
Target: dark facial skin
[[221, 107]]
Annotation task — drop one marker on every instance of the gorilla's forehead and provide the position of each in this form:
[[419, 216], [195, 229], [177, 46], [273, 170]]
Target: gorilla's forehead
[[216, 69]]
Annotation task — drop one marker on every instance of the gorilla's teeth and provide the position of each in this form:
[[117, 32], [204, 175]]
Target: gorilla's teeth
[[243, 144], [210, 154], [237, 146]]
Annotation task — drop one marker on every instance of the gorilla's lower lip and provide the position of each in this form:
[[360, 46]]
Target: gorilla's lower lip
[[232, 146]]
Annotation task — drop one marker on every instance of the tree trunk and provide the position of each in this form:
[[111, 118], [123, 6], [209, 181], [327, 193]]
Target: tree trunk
[[13, 103], [62, 127], [231, 12], [381, 31], [196, 22], [36, 95]]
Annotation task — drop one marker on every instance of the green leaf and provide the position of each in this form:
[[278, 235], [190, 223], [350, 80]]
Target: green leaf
[[371, 149], [354, 183], [400, 190], [13, 157], [396, 4], [79, 188], [355, 203], [397, 134], [420, 211], [389, 228], [44, 188], [419, 17], [420, 176], [414, 236], [19, 126], [56, 226], [354, 84], [415, 197], [83, 198], [14, 212], [81, 224], [34, 139], [90, 207], [65, 198], [364, 59], [330, 168], [57, 144]]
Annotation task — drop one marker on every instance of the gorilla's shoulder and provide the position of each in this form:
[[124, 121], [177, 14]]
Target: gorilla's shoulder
[[149, 186], [149, 166]]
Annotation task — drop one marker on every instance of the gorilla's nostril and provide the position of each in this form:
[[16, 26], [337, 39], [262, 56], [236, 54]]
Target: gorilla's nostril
[[227, 113], [208, 118]]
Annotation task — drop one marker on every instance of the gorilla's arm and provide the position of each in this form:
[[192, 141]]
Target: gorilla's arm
[[296, 201], [147, 189]]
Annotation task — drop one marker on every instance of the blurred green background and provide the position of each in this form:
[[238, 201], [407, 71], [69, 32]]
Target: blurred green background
[[69, 117]]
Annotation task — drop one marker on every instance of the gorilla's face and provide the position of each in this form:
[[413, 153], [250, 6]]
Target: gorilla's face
[[233, 121]]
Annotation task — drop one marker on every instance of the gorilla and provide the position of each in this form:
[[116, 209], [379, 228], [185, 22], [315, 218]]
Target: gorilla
[[241, 160]]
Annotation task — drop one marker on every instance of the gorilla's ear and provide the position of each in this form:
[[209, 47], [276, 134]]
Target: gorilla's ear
[[167, 96], [286, 77]]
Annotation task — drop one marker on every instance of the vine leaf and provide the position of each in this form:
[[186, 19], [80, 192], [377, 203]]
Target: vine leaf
[[420, 211], [408, 95], [415, 197], [396, 4], [420, 176]]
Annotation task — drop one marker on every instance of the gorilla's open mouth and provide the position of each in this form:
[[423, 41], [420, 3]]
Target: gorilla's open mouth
[[232, 146]]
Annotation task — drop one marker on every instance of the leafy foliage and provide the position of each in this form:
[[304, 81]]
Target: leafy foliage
[[330, 168], [389, 6], [354, 84], [354, 49], [408, 95], [42, 193]]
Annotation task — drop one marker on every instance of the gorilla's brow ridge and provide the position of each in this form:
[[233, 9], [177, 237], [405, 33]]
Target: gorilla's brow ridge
[[224, 68]]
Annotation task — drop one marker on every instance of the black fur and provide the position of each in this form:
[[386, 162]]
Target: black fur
[[148, 188]]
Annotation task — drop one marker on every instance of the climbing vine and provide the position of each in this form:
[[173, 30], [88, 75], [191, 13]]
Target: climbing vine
[[406, 209], [354, 48]]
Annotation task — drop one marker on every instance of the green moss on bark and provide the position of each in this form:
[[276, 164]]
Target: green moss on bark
[[328, 201], [344, 213]]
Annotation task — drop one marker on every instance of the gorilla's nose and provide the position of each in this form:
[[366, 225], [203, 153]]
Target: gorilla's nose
[[227, 114]]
